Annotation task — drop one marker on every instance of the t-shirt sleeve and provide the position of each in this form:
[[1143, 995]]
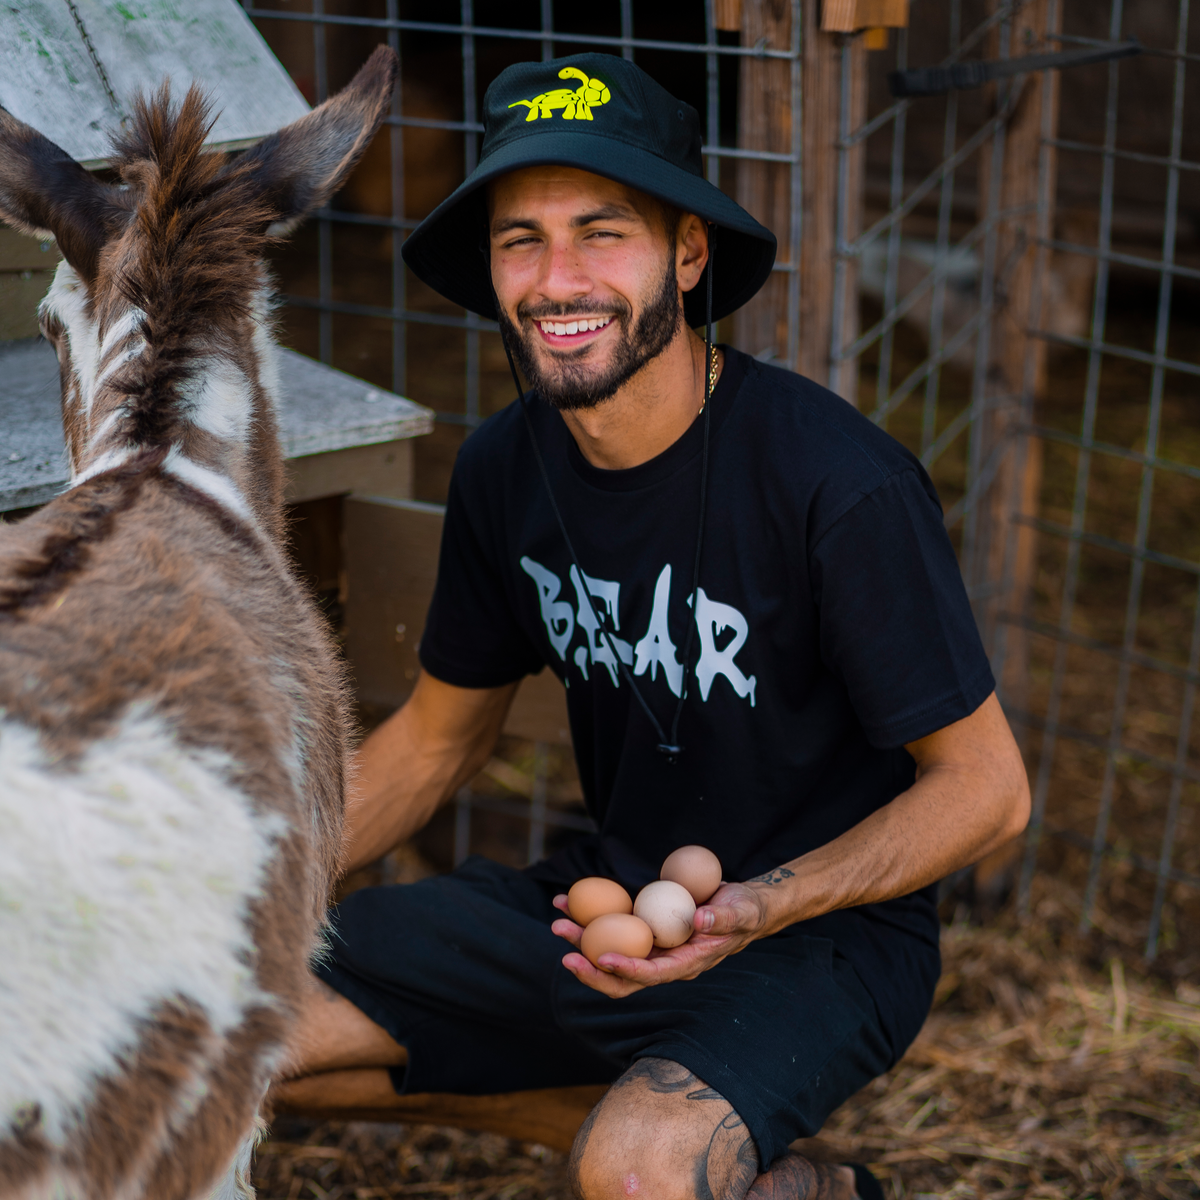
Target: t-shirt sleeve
[[896, 625], [472, 637]]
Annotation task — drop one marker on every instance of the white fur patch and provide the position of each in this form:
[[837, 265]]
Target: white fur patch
[[265, 349], [121, 330], [123, 884], [117, 361], [67, 300], [218, 398], [213, 484], [104, 462], [236, 1185]]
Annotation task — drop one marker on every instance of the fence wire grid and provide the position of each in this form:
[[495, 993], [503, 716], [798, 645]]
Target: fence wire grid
[[1055, 423]]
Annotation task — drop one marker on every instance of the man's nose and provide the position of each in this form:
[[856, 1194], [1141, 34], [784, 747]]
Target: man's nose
[[563, 276]]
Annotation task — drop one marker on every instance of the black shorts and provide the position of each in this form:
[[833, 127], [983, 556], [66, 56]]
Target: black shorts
[[462, 969]]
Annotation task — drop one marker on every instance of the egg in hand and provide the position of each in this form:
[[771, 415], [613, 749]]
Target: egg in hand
[[594, 896], [616, 933], [668, 908], [695, 868]]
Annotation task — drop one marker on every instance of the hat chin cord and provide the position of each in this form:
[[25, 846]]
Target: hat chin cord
[[669, 747]]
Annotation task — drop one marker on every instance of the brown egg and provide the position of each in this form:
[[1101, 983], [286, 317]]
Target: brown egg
[[668, 909], [698, 869], [616, 933], [594, 896]]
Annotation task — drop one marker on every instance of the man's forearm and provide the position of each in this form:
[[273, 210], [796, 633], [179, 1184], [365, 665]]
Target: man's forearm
[[414, 761], [896, 850], [968, 800]]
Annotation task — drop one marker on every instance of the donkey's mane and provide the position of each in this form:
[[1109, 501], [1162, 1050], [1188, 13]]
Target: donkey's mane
[[200, 227]]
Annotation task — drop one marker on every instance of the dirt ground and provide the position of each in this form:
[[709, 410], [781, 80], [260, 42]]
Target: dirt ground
[[1047, 1070]]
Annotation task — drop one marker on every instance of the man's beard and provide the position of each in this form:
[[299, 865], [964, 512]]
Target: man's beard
[[570, 383]]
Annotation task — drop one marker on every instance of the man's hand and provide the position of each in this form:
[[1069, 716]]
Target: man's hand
[[970, 797], [730, 921]]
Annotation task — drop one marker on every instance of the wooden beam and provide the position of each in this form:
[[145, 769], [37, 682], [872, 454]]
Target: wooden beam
[[727, 15], [837, 16], [551, 1117], [848, 16], [889, 14]]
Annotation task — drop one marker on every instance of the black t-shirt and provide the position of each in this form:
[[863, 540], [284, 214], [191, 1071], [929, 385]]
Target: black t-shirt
[[832, 627]]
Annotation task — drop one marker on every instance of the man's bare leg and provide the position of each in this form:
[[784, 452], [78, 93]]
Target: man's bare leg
[[337, 1056], [661, 1134]]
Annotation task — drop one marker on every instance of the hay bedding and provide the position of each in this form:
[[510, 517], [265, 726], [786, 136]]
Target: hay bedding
[[1039, 1075], [357, 1161]]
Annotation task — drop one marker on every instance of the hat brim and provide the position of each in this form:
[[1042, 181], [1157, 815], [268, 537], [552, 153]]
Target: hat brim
[[448, 250]]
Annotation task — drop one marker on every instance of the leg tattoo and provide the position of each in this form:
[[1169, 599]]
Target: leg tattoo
[[728, 1165], [795, 1178], [706, 1140]]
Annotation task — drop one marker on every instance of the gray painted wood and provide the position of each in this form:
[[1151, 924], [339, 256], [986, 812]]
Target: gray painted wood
[[48, 79], [321, 410]]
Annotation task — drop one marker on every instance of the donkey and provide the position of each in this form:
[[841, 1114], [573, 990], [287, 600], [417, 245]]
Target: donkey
[[173, 719]]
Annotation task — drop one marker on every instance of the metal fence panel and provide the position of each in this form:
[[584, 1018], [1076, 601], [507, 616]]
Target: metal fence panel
[[1120, 799]]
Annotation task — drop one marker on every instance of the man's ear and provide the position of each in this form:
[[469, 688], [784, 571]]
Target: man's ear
[[45, 193], [692, 250], [304, 163]]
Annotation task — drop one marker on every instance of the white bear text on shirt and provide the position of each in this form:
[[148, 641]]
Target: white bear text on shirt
[[655, 648]]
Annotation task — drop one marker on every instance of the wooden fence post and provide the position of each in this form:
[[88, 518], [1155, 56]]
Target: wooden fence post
[[765, 123], [1017, 362]]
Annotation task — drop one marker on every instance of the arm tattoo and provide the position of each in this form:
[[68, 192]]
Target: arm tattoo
[[795, 1178], [772, 877]]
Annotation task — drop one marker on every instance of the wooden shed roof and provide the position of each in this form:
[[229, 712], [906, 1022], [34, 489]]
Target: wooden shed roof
[[52, 79]]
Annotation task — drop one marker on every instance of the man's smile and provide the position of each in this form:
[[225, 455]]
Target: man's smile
[[571, 332]]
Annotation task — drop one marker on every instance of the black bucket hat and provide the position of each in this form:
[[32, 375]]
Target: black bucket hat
[[605, 115]]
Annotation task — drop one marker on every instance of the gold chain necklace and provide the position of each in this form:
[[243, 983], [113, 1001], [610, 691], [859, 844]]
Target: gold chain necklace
[[712, 377]]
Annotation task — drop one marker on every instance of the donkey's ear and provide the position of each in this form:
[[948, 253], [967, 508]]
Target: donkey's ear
[[45, 193], [302, 165]]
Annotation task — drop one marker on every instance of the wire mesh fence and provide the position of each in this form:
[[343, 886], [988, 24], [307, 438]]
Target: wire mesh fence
[[1041, 278], [1011, 290]]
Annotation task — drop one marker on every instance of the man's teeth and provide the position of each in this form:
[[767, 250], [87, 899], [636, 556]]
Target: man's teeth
[[563, 328]]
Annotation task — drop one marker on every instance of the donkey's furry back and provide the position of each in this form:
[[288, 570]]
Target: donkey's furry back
[[171, 791]]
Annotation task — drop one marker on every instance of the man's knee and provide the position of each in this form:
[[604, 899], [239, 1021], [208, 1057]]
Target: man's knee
[[661, 1134], [619, 1156]]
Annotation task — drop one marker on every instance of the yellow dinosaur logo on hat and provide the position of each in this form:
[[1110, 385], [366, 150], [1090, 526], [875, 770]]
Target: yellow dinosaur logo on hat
[[576, 105]]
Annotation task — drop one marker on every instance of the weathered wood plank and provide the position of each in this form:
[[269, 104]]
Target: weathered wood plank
[[48, 79]]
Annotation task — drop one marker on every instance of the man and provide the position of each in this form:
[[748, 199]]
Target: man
[[749, 594]]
